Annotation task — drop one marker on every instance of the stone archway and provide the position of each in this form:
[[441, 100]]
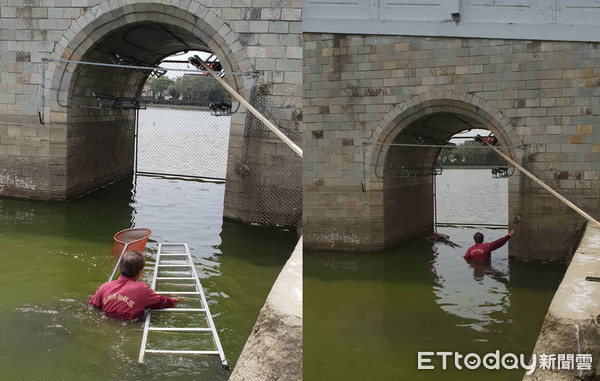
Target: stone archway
[[89, 148], [429, 119]]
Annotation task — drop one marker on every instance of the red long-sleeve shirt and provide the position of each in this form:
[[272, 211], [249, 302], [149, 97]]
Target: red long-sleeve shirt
[[483, 251], [127, 299]]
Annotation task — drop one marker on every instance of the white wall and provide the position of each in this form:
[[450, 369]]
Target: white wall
[[563, 20]]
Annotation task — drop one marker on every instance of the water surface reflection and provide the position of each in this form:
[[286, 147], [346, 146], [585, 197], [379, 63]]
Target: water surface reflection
[[366, 315], [476, 291], [55, 255]]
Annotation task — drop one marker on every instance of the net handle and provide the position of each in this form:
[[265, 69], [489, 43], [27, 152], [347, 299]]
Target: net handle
[[543, 185], [118, 263]]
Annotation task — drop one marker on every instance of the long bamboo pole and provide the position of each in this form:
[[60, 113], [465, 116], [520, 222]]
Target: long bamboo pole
[[543, 185], [250, 108]]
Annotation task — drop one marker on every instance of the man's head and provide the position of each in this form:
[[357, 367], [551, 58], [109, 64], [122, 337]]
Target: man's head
[[478, 237], [132, 263]]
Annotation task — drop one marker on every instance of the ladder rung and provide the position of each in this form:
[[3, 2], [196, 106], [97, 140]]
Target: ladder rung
[[182, 310], [185, 265], [172, 254], [178, 273], [178, 292], [176, 329], [190, 352], [175, 278], [178, 284]]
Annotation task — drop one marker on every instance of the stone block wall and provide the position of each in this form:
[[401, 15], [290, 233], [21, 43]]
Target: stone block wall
[[365, 89], [408, 195]]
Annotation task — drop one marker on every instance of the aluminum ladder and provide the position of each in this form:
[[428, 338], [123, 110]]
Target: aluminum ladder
[[175, 258]]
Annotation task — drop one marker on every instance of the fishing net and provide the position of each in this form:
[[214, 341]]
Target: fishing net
[[181, 132], [134, 239], [272, 171]]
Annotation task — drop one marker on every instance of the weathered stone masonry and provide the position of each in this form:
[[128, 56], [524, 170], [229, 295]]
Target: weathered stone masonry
[[368, 89], [76, 149]]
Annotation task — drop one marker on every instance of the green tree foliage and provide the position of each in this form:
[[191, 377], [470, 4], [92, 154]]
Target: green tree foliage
[[197, 89], [466, 155], [157, 87]]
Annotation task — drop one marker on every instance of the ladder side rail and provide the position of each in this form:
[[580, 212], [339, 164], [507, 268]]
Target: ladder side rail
[[144, 338], [155, 275], [208, 314], [147, 322]]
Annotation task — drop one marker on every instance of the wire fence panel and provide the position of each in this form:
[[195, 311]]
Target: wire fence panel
[[471, 196], [275, 191], [472, 186], [182, 141], [184, 130], [193, 141]]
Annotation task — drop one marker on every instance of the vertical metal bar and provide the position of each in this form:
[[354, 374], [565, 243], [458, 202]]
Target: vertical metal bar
[[254, 85], [434, 200], [135, 165], [211, 324], [136, 129], [147, 321]]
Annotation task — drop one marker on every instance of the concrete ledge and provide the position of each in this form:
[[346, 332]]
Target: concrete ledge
[[572, 322], [274, 349]]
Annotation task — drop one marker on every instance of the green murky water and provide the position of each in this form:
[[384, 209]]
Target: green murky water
[[55, 255], [367, 315]]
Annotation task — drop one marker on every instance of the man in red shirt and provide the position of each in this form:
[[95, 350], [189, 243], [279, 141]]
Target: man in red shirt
[[126, 298], [483, 251]]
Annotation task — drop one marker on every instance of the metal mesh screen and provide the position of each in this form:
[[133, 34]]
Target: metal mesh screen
[[471, 187], [189, 137], [179, 133], [275, 191], [471, 196]]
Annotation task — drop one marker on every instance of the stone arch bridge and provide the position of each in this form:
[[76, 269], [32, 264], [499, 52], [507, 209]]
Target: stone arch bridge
[[76, 150]]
